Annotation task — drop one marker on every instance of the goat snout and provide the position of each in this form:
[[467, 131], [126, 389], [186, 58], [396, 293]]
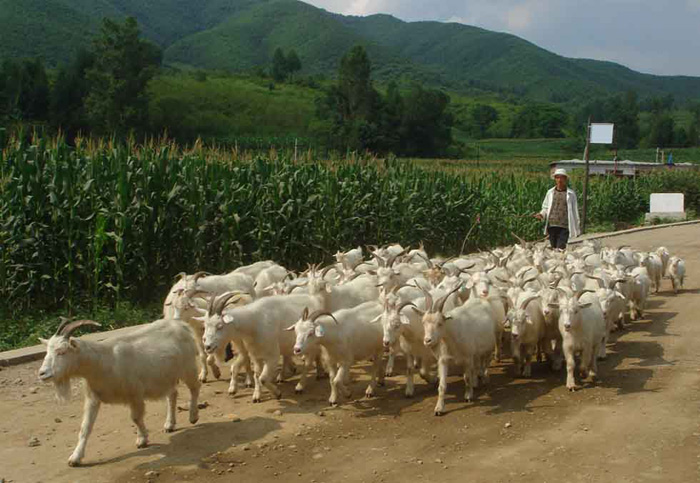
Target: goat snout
[[44, 374], [209, 348], [297, 351]]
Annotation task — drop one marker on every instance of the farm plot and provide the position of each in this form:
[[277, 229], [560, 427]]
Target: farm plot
[[639, 423]]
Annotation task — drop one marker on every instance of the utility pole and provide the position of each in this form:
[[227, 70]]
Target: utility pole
[[585, 180]]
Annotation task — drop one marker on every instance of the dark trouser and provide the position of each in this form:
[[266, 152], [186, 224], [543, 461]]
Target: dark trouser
[[558, 236]]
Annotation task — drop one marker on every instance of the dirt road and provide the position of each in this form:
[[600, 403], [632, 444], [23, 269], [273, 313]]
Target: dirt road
[[639, 423]]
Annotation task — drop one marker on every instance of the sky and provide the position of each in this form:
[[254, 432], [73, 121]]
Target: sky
[[653, 36]]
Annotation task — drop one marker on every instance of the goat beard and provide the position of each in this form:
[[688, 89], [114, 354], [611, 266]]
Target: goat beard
[[63, 390]]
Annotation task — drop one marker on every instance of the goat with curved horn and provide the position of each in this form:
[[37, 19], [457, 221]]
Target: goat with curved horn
[[199, 275], [380, 261], [440, 304], [71, 327], [312, 318], [64, 321]]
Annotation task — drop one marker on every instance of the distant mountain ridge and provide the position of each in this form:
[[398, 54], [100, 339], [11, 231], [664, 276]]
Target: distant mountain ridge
[[240, 35]]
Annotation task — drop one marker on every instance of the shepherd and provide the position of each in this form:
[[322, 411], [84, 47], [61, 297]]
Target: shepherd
[[560, 212]]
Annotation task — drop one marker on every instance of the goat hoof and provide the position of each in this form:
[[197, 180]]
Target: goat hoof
[[169, 429], [142, 444], [73, 462], [256, 400], [279, 396], [381, 383], [409, 396], [439, 413]]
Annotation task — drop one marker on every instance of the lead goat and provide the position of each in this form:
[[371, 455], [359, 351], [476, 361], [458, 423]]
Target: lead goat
[[465, 336], [143, 365]]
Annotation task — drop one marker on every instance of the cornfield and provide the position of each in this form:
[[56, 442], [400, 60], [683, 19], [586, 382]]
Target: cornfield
[[99, 222]]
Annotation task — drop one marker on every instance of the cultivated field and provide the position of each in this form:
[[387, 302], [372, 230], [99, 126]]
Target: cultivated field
[[639, 423]]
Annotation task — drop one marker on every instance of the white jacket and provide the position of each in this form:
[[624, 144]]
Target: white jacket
[[572, 208]]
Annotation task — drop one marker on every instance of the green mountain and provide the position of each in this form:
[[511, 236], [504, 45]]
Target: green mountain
[[239, 35]]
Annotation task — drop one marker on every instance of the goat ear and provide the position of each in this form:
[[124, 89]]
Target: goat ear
[[199, 310], [202, 318], [404, 320], [168, 304], [469, 284], [328, 288], [553, 306], [418, 311], [319, 331], [447, 317], [372, 272], [43, 341], [73, 343], [291, 328], [228, 318]]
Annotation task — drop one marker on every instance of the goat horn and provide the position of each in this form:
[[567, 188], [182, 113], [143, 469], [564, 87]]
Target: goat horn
[[427, 260], [428, 298], [581, 292], [404, 304], [393, 258], [520, 240], [218, 305], [72, 326], [531, 279], [327, 269], [64, 321], [380, 260], [441, 303], [488, 269], [192, 293], [525, 303], [312, 318], [199, 275], [180, 276]]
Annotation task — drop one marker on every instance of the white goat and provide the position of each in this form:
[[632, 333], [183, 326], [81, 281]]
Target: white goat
[[143, 365], [527, 328], [261, 326], [583, 331], [465, 336], [349, 337], [676, 272]]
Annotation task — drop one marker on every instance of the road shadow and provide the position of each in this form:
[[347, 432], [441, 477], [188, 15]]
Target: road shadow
[[190, 445], [654, 323]]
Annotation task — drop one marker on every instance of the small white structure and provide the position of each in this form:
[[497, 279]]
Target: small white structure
[[667, 206]]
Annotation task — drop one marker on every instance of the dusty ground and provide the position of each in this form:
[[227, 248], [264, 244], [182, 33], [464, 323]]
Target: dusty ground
[[640, 423]]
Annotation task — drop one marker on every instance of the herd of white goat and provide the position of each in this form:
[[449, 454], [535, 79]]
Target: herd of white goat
[[453, 314]]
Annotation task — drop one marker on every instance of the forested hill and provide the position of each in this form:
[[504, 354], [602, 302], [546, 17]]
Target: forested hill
[[241, 35]]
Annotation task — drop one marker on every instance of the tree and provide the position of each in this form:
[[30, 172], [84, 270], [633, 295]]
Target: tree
[[426, 125], [482, 117], [293, 63], [355, 84], [661, 132], [279, 65], [68, 95], [124, 64], [24, 90], [539, 121]]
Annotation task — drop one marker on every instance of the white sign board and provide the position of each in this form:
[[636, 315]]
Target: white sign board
[[602, 133], [667, 203]]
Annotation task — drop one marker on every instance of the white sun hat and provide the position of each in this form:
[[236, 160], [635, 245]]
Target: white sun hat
[[560, 172]]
